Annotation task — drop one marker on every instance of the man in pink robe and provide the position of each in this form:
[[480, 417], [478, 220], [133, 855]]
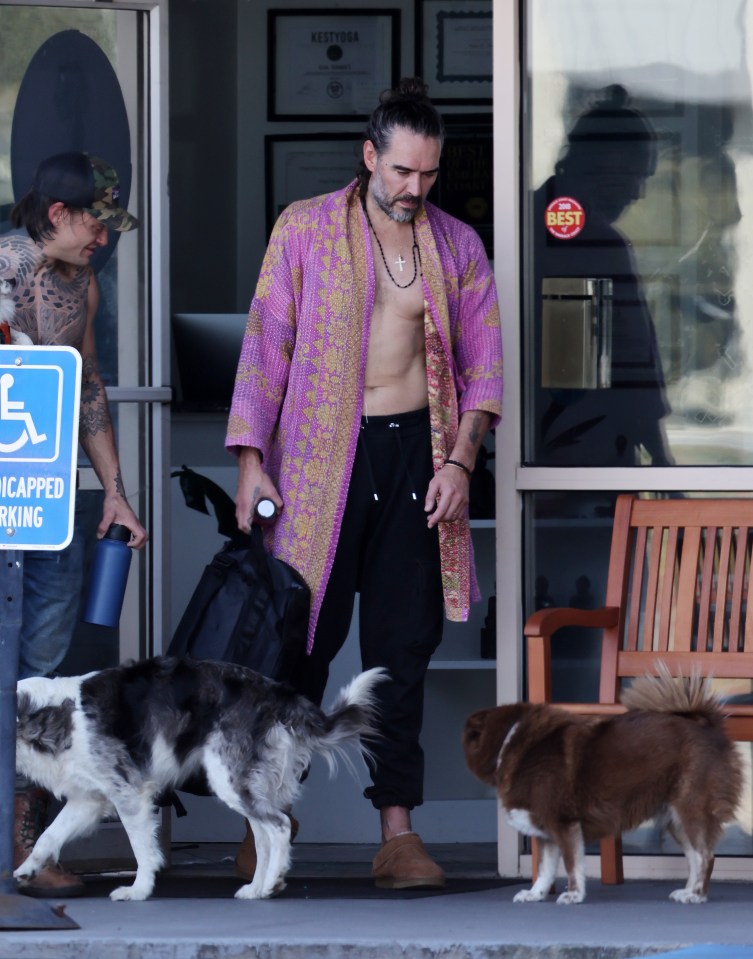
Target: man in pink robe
[[370, 372]]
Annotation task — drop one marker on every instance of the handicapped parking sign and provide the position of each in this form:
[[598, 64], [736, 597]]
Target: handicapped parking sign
[[40, 388]]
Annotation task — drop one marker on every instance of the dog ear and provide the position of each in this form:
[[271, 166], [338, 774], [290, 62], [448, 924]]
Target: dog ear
[[49, 729], [484, 736]]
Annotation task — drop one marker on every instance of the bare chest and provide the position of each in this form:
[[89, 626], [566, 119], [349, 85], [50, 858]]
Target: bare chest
[[399, 290]]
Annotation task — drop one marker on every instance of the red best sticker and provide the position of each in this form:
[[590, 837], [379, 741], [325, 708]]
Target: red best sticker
[[564, 218]]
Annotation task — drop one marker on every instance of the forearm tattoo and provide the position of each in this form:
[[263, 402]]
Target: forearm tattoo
[[254, 500], [94, 416], [476, 425], [119, 487]]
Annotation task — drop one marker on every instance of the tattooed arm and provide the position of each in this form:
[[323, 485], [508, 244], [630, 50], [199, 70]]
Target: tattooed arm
[[447, 495], [96, 434]]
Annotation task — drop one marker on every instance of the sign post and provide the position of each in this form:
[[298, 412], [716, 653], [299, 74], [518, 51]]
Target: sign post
[[40, 389]]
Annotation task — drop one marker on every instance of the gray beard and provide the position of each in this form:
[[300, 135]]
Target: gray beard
[[398, 216]]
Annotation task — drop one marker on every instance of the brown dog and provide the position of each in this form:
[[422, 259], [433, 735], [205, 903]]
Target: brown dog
[[567, 779]]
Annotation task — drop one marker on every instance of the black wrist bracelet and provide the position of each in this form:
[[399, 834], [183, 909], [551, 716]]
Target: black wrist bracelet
[[460, 466]]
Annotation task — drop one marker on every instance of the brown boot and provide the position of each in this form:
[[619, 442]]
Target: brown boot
[[51, 882], [403, 863], [245, 859]]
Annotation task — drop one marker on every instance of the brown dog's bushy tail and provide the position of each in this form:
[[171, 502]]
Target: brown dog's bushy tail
[[663, 693]]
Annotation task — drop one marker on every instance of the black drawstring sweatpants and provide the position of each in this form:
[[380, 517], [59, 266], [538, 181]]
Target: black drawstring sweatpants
[[388, 555]]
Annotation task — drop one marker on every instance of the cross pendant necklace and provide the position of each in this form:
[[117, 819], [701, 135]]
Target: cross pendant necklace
[[399, 262]]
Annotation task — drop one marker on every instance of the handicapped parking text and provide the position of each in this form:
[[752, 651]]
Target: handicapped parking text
[[28, 515]]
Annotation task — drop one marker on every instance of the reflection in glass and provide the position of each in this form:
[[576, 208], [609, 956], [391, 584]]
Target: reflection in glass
[[610, 154], [680, 240]]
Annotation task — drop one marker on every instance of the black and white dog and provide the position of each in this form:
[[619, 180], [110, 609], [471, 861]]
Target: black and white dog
[[116, 739]]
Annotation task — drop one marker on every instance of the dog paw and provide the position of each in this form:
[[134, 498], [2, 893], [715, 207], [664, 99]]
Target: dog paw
[[528, 895], [249, 892], [24, 872], [128, 894], [686, 896], [570, 898]]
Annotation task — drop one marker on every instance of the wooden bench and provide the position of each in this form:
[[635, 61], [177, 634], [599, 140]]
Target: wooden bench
[[677, 591]]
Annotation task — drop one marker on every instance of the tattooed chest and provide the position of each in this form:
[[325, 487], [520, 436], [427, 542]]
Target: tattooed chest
[[52, 311]]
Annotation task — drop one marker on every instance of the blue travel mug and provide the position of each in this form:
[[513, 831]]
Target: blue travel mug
[[109, 575]]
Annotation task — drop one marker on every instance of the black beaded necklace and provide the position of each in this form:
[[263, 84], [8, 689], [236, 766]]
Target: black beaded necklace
[[414, 250]]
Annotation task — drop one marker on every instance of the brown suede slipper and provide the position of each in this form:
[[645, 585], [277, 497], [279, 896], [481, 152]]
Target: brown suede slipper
[[52, 882], [403, 863], [245, 859]]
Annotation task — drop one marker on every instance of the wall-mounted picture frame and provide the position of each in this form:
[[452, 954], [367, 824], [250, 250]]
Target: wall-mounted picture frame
[[465, 185], [299, 166], [330, 64], [454, 50]]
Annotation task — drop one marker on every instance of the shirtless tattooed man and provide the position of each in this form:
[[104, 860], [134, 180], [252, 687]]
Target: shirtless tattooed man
[[67, 214]]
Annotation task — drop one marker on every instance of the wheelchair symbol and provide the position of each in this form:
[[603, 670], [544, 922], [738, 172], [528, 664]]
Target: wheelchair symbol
[[14, 410]]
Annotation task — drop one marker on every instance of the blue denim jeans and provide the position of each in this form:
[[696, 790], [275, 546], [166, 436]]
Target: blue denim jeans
[[52, 583]]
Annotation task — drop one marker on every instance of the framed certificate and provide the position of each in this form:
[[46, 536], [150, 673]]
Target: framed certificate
[[330, 64], [454, 49], [299, 166]]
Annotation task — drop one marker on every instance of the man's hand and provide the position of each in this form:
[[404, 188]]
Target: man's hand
[[447, 495], [253, 485], [116, 509]]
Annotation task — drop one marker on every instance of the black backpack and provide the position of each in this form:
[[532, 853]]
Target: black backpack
[[249, 607]]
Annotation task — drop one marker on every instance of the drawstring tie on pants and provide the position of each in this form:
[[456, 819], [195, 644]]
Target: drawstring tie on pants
[[395, 428]]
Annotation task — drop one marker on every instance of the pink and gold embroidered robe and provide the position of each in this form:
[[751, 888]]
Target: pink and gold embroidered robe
[[299, 388]]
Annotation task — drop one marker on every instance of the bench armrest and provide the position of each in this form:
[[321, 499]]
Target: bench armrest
[[544, 622], [539, 629]]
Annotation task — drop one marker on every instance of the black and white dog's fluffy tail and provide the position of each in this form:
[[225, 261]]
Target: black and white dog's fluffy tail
[[118, 738], [350, 717]]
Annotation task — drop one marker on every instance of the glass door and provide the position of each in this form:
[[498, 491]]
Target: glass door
[[637, 312], [83, 76], [639, 162]]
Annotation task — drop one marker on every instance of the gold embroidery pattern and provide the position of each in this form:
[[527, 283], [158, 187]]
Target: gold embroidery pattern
[[330, 412], [454, 538], [300, 379]]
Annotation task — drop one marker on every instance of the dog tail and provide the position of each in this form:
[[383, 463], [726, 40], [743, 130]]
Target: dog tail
[[663, 693], [351, 717]]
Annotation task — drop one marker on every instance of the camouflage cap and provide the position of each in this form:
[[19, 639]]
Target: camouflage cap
[[86, 182]]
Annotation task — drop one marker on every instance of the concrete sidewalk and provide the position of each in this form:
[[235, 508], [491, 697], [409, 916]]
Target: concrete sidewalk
[[332, 911]]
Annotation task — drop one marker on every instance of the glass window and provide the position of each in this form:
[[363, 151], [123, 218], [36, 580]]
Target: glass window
[[76, 78], [638, 314], [58, 111], [569, 536]]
